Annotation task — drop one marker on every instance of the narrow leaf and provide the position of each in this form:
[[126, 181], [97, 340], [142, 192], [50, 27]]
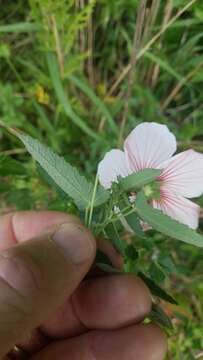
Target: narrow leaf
[[115, 239], [156, 290], [63, 174], [158, 315], [165, 224], [62, 97], [163, 64], [134, 223], [20, 27], [82, 85], [137, 180], [101, 196]]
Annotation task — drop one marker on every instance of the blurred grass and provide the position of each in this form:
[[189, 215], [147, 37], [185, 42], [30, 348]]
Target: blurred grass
[[64, 68]]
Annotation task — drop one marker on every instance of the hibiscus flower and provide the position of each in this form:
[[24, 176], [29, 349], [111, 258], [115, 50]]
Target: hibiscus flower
[[151, 145]]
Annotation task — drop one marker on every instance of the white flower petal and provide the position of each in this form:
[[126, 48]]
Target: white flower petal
[[183, 174], [148, 145], [113, 165], [179, 208]]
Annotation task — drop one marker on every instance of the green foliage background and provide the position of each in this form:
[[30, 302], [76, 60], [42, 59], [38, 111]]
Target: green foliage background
[[60, 62]]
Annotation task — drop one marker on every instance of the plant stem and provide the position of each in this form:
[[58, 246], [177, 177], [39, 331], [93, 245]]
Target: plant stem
[[93, 200], [86, 216]]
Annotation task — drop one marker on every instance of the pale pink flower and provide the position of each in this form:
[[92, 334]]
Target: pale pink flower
[[151, 145]]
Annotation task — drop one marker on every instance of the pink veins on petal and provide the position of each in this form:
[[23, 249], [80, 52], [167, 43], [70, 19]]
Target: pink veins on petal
[[152, 145]]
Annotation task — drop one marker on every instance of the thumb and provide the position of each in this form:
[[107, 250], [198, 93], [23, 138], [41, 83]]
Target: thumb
[[37, 276]]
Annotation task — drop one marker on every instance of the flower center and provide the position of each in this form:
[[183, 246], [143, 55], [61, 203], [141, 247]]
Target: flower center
[[152, 191]]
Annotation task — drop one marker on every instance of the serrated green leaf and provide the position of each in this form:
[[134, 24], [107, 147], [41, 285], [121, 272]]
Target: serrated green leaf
[[157, 290], [49, 180], [137, 180], [166, 225], [63, 174]]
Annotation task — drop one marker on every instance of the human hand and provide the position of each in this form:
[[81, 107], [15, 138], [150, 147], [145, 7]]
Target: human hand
[[50, 313]]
